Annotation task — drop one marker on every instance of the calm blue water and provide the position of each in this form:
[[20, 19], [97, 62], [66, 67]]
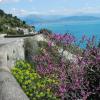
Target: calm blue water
[[78, 29]]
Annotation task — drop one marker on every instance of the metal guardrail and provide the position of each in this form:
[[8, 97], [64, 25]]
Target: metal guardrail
[[18, 36]]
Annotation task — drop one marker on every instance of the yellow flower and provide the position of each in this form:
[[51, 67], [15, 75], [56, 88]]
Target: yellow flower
[[27, 93], [27, 72], [48, 90], [42, 85], [42, 94], [56, 82], [53, 81], [38, 84], [34, 87], [33, 98], [24, 87], [49, 80], [38, 95], [31, 94]]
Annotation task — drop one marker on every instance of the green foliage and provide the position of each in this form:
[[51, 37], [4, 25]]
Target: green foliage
[[14, 32], [1, 12], [1, 29], [8, 22], [13, 21], [42, 44], [74, 49], [35, 86], [45, 31]]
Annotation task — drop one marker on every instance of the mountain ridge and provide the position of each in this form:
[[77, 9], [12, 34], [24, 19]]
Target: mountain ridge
[[42, 19]]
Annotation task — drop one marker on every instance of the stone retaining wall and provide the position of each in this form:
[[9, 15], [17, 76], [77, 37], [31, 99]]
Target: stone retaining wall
[[9, 88], [11, 51]]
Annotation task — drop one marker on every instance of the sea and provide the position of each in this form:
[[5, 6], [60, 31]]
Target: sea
[[76, 28]]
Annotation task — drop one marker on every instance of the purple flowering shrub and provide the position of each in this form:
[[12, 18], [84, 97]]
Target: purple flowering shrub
[[79, 79]]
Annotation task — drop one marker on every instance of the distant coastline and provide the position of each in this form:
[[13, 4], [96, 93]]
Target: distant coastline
[[78, 29], [31, 19]]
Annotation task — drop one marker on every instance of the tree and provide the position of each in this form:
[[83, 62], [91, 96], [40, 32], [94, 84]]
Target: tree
[[45, 31], [12, 22], [24, 22], [15, 17], [1, 29], [9, 15], [1, 12]]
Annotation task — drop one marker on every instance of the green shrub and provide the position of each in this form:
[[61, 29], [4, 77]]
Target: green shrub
[[45, 31], [35, 86], [74, 49]]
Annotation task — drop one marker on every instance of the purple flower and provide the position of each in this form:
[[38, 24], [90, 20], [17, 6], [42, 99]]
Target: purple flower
[[49, 44], [62, 88], [98, 58]]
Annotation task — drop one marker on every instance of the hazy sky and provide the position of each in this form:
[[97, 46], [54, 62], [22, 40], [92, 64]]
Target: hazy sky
[[50, 7]]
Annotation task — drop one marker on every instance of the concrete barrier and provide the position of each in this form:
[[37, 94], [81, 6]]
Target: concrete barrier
[[9, 88]]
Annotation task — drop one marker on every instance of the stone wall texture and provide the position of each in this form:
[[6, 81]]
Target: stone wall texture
[[11, 52], [9, 88]]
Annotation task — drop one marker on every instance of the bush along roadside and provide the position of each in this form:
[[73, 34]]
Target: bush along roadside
[[35, 86], [78, 80]]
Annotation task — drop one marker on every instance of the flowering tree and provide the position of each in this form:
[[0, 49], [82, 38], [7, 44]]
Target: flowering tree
[[76, 80]]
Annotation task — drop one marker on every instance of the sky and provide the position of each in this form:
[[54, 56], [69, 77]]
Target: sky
[[50, 7]]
